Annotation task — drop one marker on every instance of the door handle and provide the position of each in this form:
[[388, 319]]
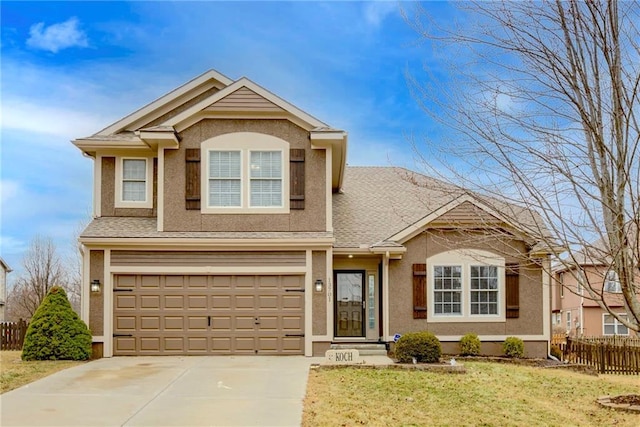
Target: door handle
[[209, 321], [364, 304]]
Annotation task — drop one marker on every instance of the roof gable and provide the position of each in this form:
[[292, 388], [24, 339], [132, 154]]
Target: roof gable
[[245, 98]]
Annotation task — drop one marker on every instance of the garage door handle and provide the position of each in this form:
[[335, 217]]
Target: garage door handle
[[294, 335], [122, 335], [209, 321], [122, 290], [294, 290]]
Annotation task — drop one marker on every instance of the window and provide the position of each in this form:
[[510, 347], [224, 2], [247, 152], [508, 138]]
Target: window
[[561, 285], [245, 172], [266, 178], [612, 326], [133, 183], [484, 289], [447, 290], [568, 316], [225, 180], [612, 283], [580, 282], [466, 285]]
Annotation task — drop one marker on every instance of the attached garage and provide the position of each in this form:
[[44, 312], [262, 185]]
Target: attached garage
[[208, 314]]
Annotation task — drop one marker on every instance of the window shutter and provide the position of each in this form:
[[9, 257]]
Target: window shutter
[[296, 181], [512, 285], [192, 171], [419, 291]]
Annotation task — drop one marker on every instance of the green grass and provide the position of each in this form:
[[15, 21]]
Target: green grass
[[15, 372], [489, 394]]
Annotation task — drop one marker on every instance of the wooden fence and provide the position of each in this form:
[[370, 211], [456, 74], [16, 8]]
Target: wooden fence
[[12, 335], [608, 355]]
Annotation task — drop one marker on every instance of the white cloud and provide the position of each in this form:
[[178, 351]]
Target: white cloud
[[57, 36], [376, 11]]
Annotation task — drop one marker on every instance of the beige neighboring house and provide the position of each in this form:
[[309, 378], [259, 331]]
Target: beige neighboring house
[[4, 269], [574, 312], [226, 221]]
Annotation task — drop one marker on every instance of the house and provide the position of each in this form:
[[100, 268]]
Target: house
[[4, 269], [227, 222], [574, 311]]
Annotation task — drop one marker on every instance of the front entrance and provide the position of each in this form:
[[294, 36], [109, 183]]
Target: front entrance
[[350, 303]]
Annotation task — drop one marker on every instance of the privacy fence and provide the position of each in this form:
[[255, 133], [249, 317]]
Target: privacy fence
[[12, 335], [608, 355]]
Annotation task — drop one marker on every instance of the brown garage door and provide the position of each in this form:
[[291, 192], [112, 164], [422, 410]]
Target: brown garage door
[[193, 314]]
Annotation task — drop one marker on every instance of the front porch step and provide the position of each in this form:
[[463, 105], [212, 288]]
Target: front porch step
[[365, 349]]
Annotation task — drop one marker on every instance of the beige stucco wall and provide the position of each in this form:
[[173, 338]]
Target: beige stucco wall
[[319, 307], [96, 300], [529, 322], [178, 218], [108, 191]]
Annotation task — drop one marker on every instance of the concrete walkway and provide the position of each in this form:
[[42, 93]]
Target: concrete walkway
[[165, 391]]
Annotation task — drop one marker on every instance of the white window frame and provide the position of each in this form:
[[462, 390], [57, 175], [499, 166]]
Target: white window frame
[[466, 258], [568, 320], [119, 196], [245, 142], [581, 279], [210, 179], [616, 324], [612, 280]]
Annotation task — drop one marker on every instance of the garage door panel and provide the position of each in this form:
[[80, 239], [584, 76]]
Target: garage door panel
[[178, 314]]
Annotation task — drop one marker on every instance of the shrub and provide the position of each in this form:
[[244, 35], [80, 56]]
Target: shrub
[[556, 352], [56, 332], [470, 345], [424, 346], [513, 347]]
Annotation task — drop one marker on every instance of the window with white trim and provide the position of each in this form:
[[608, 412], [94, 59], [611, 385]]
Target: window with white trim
[[134, 182], [568, 316], [245, 172], [612, 282], [580, 282], [466, 285], [612, 326]]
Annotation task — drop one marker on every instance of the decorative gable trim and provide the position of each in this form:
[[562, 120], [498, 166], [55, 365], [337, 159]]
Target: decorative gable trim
[[168, 102], [201, 110], [244, 99]]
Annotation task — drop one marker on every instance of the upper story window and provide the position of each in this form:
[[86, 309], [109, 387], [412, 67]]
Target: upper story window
[[612, 282], [245, 172], [466, 285], [134, 183]]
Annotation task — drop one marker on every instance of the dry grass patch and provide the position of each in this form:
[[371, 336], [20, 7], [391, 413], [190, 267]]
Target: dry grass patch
[[489, 394], [15, 373]]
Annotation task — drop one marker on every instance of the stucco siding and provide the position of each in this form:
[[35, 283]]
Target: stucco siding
[[178, 218], [96, 300], [108, 191]]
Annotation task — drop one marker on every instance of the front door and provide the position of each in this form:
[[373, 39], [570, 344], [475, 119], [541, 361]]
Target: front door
[[349, 303]]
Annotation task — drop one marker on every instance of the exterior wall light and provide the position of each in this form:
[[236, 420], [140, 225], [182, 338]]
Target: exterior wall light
[[319, 285], [95, 285]]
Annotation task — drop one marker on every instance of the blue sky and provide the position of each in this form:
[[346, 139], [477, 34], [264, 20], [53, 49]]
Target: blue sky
[[70, 69]]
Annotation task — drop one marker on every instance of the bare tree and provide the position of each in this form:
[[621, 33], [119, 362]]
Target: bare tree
[[41, 270], [542, 99]]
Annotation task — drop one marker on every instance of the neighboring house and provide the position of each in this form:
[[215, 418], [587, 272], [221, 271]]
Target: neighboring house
[[4, 269], [574, 312], [227, 222]]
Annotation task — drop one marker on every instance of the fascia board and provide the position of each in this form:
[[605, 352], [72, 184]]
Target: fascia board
[[205, 243], [165, 99], [91, 146]]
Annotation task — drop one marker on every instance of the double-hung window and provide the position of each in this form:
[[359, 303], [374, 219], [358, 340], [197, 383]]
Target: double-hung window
[[225, 179], [612, 326], [447, 290], [134, 182], [484, 289], [612, 282], [245, 172]]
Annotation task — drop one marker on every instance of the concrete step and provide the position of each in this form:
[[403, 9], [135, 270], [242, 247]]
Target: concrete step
[[365, 349]]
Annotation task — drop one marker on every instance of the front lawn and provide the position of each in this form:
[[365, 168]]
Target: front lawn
[[15, 373], [488, 394]]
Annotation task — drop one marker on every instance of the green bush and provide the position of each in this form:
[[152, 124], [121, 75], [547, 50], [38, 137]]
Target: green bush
[[513, 347], [424, 346], [470, 345], [56, 332]]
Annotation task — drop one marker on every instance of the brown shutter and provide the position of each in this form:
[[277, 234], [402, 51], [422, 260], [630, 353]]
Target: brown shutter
[[296, 181], [512, 285], [192, 171], [419, 291]]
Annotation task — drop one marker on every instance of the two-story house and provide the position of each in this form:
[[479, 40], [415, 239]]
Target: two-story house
[[4, 270], [226, 221]]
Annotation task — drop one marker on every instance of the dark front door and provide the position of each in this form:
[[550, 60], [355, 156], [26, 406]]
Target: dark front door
[[349, 303]]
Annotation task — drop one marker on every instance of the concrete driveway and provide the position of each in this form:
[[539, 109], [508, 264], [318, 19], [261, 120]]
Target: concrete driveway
[[165, 391]]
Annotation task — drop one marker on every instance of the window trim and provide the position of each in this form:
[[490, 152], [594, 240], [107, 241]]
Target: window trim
[[616, 324], [245, 142], [209, 178], [119, 193], [615, 280], [568, 321], [466, 258]]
